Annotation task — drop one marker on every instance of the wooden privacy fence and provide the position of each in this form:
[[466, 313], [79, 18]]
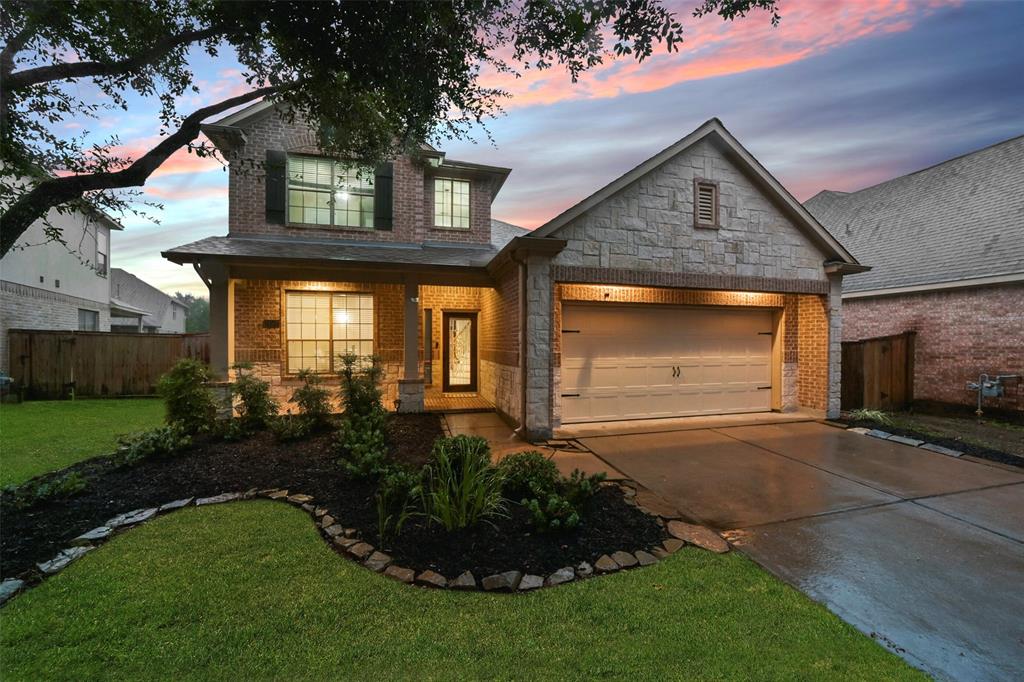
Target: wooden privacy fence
[[48, 365], [878, 374]]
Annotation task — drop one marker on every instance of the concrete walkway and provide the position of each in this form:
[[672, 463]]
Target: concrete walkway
[[922, 551]]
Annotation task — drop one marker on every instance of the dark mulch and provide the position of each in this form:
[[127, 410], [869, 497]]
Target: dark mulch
[[979, 451], [37, 534]]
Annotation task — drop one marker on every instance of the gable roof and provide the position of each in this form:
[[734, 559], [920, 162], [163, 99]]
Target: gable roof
[[957, 223], [132, 292], [712, 129]]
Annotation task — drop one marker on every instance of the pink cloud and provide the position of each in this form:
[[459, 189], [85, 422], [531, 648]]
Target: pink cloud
[[715, 48], [186, 193]]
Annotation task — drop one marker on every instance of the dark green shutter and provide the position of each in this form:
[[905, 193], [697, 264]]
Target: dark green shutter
[[277, 186], [383, 196]]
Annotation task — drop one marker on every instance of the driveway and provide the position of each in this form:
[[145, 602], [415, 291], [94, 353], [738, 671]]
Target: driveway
[[922, 551]]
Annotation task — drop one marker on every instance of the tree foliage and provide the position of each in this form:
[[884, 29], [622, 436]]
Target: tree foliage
[[198, 318], [374, 78]]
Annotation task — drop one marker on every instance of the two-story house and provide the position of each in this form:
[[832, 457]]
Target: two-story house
[[694, 284], [164, 314], [47, 284]]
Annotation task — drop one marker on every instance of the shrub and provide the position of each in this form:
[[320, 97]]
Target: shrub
[[399, 492], [460, 486], [290, 427], [256, 407], [562, 507], [866, 415], [35, 491], [528, 474], [362, 437], [312, 398], [188, 401], [163, 440]]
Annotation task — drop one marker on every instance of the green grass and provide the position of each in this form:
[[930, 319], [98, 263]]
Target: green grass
[[39, 437], [250, 591]]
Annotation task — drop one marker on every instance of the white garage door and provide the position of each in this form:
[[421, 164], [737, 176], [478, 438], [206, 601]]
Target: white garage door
[[634, 362]]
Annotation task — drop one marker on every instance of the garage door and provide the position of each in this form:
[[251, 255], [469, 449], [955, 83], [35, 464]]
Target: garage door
[[633, 362]]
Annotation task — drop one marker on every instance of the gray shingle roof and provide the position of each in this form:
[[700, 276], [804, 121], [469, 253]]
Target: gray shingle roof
[[961, 219], [292, 248]]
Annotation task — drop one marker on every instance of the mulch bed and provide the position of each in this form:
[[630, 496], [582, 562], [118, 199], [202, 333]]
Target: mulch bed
[[967, 448], [211, 467]]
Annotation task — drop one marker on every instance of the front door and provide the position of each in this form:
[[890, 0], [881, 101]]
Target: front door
[[459, 359]]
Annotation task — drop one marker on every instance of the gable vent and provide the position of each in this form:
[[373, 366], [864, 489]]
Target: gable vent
[[706, 204]]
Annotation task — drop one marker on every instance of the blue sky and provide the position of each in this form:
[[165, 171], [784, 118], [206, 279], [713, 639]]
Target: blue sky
[[837, 98]]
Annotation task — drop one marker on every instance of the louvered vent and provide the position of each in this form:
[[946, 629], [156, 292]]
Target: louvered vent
[[706, 204]]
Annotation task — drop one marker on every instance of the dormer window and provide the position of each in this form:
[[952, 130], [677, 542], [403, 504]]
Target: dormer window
[[324, 191], [705, 203], [451, 203]]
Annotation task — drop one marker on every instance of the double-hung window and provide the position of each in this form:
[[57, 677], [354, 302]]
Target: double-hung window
[[102, 249], [322, 326], [324, 191], [451, 203]]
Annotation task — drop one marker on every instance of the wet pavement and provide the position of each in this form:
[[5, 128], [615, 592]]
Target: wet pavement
[[922, 551]]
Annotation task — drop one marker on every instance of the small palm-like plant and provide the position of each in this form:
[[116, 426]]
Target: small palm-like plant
[[877, 416], [461, 488]]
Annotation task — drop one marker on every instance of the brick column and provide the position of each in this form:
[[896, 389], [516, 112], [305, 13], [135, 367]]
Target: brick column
[[410, 386], [835, 345]]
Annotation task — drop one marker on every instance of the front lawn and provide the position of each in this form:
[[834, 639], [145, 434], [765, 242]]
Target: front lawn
[[250, 591], [43, 436]]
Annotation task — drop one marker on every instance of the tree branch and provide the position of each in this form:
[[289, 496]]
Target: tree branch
[[56, 191], [68, 70]]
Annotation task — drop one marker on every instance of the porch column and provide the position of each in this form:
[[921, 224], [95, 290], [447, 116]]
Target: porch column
[[539, 418], [835, 345], [222, 319], [410, 386]]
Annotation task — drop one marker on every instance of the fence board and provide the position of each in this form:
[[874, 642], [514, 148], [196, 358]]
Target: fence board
[[49, 365], [878, 373]]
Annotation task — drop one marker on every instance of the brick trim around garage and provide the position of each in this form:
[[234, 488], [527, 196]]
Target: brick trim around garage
[[579, 274]]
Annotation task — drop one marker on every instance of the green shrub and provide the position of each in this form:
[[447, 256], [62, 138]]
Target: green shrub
[[291, 427], [312, 399], [528, 474], [562, 508], [163, 440], [35, 491], [397, 498], [256, 407], [866, 415], [188, 401], [460, 486], [361, 440]]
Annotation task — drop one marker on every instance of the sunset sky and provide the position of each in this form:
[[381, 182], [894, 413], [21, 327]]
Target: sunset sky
[[841, 95]]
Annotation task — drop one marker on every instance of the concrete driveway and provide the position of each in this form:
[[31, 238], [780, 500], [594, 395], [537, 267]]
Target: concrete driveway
[[922, 551]]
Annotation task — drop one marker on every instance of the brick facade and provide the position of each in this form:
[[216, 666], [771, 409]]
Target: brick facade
[[960, 333], [413, 215], [25, 307]]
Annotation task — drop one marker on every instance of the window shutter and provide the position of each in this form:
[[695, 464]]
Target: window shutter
[[383, 197], [277, 186], [705, 209]]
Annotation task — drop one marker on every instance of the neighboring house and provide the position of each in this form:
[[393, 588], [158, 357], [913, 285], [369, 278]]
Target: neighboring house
[[164, 314], [693, 284], [946, 247], [49, 285]]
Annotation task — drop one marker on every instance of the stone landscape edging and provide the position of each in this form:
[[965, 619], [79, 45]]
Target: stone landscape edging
[[348, 543]]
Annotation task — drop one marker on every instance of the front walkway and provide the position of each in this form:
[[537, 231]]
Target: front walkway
[[922, 551]]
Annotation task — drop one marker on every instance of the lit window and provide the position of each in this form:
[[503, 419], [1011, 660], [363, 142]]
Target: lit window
[[88, 320], [451, 203], [327, 192], [322, 326]]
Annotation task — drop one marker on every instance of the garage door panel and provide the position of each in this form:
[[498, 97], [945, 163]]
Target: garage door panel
[[638, 361]]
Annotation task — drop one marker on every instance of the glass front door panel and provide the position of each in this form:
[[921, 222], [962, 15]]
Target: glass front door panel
[[460, 345]]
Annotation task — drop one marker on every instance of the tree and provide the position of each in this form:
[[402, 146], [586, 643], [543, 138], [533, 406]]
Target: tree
[[198, 319], [375, 78]]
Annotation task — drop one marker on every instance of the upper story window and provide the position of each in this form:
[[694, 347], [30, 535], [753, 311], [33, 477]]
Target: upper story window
[[705, 203], [324, 191], [102, 249], [451, 203]]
